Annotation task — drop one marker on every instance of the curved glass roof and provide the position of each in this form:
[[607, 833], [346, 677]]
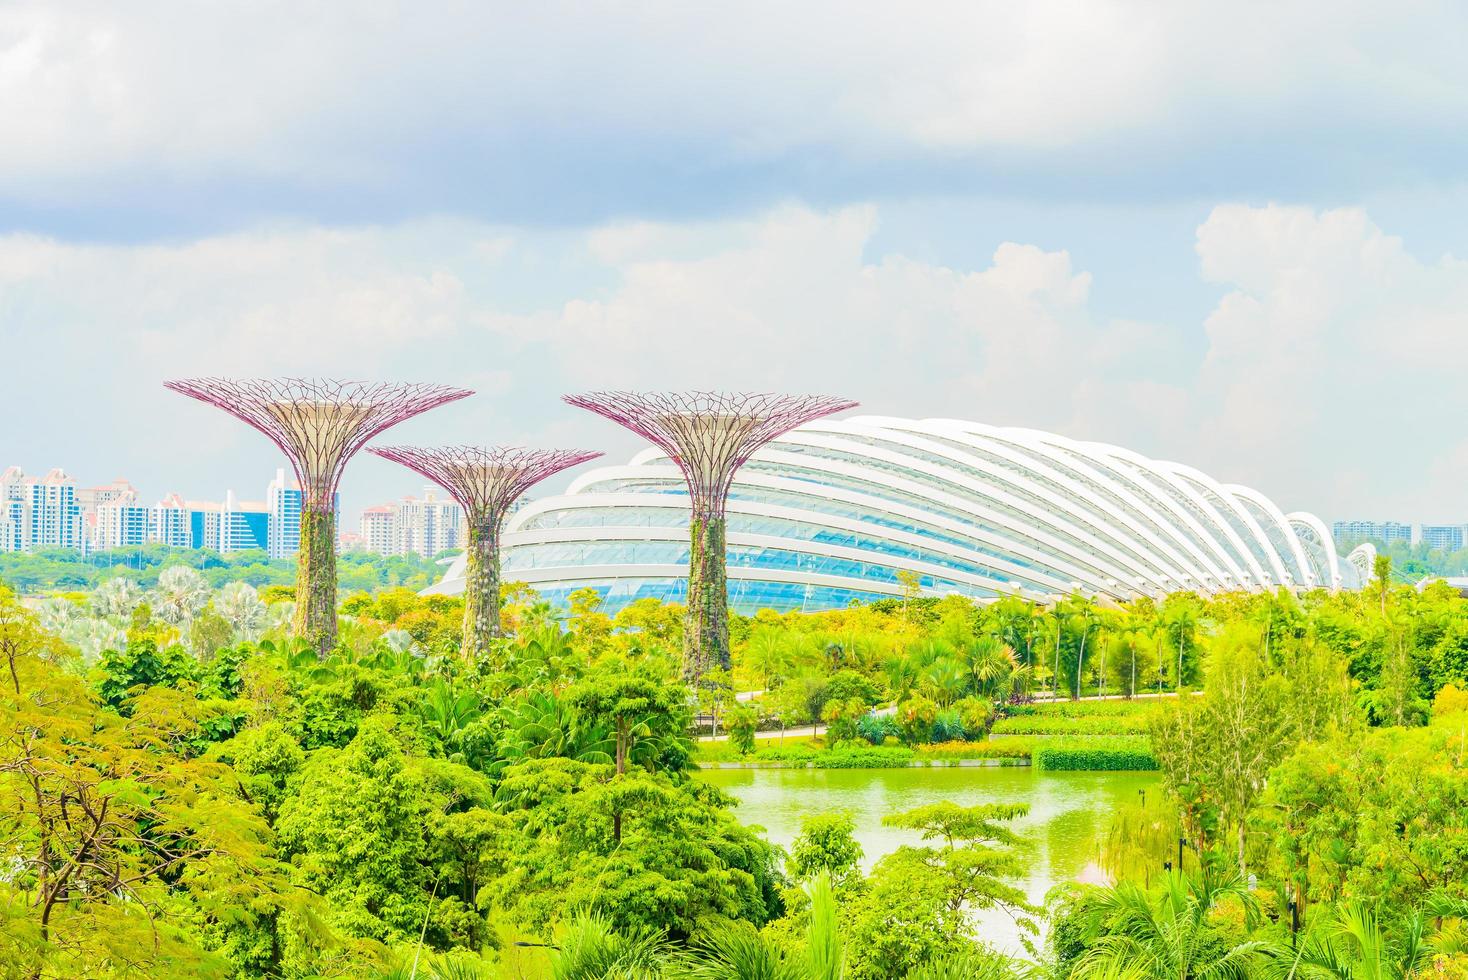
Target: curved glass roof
[[833, 511]]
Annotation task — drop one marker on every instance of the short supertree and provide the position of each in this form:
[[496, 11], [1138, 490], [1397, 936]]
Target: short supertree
[[708, 435], [486, 481], [319, 425]]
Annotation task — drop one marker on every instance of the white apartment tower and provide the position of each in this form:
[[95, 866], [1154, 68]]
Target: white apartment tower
[[40, 513], [424, 527]]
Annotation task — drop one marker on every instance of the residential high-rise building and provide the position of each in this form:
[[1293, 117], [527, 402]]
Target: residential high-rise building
[[169, 524], [40, 513], [423, 526], [1387, 531], [283, 501], [121, 520], [12, 508], [203, 524], [429, 526], [378, 529], [1449, 537]]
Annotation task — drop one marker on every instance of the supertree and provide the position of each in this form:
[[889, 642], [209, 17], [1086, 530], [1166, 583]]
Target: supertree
[[485, 480], [708, 435], [319, 425]]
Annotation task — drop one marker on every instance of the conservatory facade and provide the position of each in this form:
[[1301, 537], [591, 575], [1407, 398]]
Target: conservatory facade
[[835, 510]]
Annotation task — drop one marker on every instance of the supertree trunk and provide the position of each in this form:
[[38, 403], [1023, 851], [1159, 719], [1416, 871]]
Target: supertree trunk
[[486, 481], [706, 624], [481, 590], [319, 424], [708, 436], [315, 620]]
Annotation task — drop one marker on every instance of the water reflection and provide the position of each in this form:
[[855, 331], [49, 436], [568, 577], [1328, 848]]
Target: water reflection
[[1068, 813]]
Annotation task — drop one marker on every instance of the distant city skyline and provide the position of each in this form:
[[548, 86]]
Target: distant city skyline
[[58, 509]]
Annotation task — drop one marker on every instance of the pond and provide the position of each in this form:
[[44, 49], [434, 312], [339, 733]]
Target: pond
[[1069, 812]]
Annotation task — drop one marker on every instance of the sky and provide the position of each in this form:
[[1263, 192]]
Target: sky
[[1224, 234]]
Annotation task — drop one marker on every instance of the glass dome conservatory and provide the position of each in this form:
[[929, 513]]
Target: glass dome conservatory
[[834, 510]]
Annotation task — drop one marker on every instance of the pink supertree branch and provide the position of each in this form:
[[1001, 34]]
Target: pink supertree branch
[[318, 423], [709, 435], [485, 480]]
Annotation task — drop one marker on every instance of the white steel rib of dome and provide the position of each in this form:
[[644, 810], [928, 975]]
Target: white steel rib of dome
[[836, 509]]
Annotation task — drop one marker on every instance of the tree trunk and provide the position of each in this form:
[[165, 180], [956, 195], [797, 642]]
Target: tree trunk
[[315, 620], [706, 626], [1081, 662], [481, 589]]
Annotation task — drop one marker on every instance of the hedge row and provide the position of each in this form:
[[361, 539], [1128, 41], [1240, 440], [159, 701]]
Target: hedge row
[[1086, 757], [1082, 709], [1061, 725], [1003, 748]]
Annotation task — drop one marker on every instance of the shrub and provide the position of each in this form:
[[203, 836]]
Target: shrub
[[843, 719], [1082, 709], [844, 685], [948, 726], [1449, 701], [1004, 748], [915, 718], [877, 728], [976, 716]]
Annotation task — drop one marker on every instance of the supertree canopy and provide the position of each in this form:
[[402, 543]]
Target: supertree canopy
[[319, 425], [708, 435], [485, 480]]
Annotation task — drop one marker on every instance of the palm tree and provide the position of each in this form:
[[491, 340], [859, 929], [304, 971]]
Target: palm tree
[[1354, 943], [991, 664], [1181, 619], [117, 597], [945, 680], [541, 725], [768, 654], [445, 712], [240, 605], [181, 594], [1170, 934]]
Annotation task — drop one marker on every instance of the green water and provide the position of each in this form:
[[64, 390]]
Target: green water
[[1069, 812]]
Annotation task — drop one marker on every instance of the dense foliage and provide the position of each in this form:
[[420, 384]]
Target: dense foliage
[[190, 793]]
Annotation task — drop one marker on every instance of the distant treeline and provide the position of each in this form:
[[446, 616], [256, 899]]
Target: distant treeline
[[1414, 562], [64, 570]]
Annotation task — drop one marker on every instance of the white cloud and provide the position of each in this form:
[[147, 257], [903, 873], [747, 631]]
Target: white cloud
[[337, 99], [1334, 363], [1327, 374]]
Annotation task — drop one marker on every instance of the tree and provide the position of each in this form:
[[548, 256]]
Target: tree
[[740, 725], [182, 593], [681, 860], [974, 858], [122, 848], [911, 586], [364, 827], [1216, 751], [636, 709], [827, 845]]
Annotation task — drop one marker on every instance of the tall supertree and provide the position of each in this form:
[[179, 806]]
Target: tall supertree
[[708, 435], [319, 425], [485, 480]]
